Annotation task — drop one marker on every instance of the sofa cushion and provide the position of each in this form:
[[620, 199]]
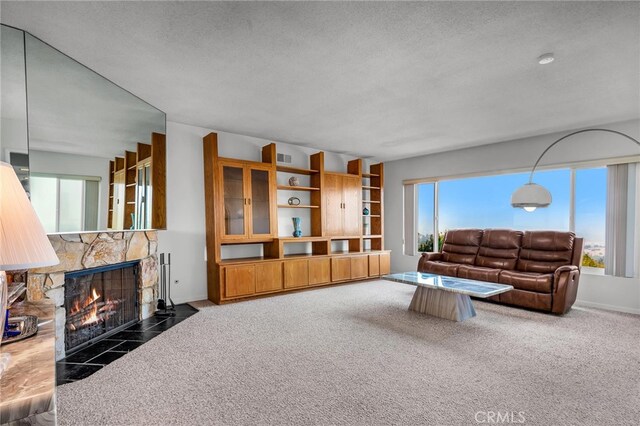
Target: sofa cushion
[[461, 246], [545, 251], [499, 248], [478, 273], [440, 268], [531, 281]]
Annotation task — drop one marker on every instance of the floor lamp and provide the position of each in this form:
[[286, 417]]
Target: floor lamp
[[531, 196]]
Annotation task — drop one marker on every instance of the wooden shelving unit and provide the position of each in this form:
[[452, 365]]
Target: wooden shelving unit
[[125, 196], [336, 241]]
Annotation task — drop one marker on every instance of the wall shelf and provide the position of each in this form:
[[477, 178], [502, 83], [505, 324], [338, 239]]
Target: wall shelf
[[296, 170], [370, 202], [299, 206], [297, 188], [370, 187]]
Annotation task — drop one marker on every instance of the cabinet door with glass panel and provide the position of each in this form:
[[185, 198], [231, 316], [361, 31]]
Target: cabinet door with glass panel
[[248, 198]]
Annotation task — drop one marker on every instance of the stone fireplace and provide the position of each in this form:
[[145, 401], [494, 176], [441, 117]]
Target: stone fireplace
[[83, 252]]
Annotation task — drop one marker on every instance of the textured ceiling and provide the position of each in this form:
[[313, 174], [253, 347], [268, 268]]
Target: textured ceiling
[[388, 80]]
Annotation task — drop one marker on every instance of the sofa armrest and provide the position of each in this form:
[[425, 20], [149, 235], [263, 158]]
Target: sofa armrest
[[427, 257], [565, 288], [562, 269], [432, 256]]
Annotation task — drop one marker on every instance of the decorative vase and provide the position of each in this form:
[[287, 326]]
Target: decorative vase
[[293, 181], [297, 232], [365, 211]]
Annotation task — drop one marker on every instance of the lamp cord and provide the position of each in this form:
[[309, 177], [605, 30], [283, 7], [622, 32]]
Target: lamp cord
[[575, 133]]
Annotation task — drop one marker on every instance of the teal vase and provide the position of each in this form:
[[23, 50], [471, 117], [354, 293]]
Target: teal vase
[[297, 232]]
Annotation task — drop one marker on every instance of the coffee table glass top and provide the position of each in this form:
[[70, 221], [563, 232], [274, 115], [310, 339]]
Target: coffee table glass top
[[452, 284]]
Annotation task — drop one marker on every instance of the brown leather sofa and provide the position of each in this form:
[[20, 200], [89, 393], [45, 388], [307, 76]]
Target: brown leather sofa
[[542, 266]]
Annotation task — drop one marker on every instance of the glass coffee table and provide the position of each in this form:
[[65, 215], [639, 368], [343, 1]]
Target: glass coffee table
[[446, 297]]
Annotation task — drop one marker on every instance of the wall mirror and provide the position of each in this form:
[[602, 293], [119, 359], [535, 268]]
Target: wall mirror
[[90, 154]]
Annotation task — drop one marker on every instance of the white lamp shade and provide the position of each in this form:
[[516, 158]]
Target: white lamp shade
[[23, 241], [531, 195]]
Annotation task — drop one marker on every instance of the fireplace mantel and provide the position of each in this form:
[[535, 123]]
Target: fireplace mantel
[[89, 250]]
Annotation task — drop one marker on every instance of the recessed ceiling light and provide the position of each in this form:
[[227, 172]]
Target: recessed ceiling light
[[545, 59]]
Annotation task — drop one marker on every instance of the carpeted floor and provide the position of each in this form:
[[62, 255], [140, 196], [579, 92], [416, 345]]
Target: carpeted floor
[[354, 355]]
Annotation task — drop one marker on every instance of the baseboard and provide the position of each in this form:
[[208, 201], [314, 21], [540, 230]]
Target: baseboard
[[608, 307]]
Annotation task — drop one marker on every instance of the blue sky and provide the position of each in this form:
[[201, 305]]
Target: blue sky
[[484, 202]]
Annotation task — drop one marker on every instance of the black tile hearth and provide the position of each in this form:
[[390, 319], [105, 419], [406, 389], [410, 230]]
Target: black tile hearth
[[127, 346], [107, 357], [138, 336], [87, 361], [71, 372], [92, 351]]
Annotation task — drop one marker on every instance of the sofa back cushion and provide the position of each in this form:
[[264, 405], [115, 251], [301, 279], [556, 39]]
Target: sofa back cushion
[[461, 246], [499, 249], [545, 251]]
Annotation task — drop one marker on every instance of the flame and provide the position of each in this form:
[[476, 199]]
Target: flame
[[91, 311]]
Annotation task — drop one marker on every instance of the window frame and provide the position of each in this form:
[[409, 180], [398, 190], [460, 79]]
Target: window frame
[[572, 167]]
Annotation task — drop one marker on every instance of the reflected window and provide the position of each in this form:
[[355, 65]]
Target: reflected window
[[65, 204]]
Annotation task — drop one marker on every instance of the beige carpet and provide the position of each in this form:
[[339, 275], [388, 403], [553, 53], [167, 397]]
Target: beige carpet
[[354, 355]]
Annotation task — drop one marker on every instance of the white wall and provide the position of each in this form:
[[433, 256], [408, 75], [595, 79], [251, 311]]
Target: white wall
[[619, 293], [78, 165], [185, 234]]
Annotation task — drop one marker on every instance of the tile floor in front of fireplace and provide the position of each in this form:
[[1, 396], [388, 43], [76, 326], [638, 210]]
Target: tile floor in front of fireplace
[[84, 363]]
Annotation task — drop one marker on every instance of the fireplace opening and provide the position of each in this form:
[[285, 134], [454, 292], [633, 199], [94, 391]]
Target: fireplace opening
[[99, 302]]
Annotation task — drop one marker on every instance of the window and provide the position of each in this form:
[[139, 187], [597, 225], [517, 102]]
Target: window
[[590, 214], [65, 204], [426, 193], [484, 202]]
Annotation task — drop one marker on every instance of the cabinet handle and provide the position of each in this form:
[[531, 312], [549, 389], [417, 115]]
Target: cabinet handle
[[249, 199]]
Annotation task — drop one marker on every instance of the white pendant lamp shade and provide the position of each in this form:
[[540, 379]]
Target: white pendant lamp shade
[[531, 196], [23, 242]]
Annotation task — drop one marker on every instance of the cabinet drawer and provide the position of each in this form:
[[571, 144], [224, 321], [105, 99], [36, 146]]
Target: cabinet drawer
[[359, 267], [374, 265], [340, 269], [385, 263], [296, 273], [268, 276], [319, 271], [239, 280]]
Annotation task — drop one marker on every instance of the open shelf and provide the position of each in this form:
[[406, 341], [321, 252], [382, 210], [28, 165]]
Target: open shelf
[[368, 175], [370, 215], [299, 206], [297, 188], [367, 237], [302, 239], [296, 170], [370, 202], [370, 187], [345, 237]]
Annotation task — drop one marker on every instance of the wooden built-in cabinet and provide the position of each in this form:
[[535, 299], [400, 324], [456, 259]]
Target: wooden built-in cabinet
[[319, 271], [241, 203], [240, 280], [342, 203], [248, 200]]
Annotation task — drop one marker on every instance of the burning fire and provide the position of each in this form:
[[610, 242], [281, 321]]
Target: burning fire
[[91, 311]]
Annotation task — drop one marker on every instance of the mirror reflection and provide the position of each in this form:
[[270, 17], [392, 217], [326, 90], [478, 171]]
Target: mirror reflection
[[96, 152]]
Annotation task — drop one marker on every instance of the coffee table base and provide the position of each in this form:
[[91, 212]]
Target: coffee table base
[[442, 304]]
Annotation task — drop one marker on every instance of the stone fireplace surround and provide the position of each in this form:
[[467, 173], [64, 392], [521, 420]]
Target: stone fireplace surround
[[89, 250]]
